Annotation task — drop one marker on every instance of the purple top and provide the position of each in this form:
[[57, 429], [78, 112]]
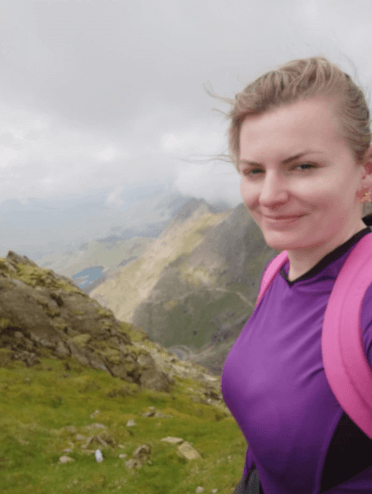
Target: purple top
[[274, 384]]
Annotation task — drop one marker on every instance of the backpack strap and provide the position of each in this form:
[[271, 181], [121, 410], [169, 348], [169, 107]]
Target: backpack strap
[[271, 271], [345, 363]]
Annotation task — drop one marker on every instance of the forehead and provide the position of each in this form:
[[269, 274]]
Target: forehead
[[305, 123]]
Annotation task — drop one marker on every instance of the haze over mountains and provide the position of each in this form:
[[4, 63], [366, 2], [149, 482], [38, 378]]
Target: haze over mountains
[[184, 270], [37, 227], [193, 288]]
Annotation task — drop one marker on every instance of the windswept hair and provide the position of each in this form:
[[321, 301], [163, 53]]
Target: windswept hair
[[298, 80]]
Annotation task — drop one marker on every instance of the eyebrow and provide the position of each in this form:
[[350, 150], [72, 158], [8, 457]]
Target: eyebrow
[[284, 162]]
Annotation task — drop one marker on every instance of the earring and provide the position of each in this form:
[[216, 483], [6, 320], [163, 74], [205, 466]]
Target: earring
[[366, 197]]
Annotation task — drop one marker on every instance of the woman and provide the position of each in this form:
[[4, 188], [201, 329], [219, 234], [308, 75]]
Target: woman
[[300, 139]]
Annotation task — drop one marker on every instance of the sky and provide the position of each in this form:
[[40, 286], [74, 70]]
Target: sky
[[101, 96]]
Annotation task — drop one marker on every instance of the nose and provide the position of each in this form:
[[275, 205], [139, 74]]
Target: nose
[[274, 190]]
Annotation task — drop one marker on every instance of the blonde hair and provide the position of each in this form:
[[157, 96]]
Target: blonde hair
[[297, 80]]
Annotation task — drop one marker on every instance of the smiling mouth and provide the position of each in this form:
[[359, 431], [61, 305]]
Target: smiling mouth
[[284, 217]]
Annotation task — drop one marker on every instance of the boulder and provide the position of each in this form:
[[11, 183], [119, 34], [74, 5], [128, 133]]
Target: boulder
[[186, 451]]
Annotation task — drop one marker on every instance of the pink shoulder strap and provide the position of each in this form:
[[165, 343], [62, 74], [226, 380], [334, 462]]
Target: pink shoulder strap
[[345, 363], [271, 271], [346, 366]]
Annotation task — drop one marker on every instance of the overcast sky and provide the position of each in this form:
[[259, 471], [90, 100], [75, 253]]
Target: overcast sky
[[107, 93]]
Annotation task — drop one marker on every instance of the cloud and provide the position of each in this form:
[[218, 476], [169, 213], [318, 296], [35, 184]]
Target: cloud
[[108, 94], [107, 154], [212, 181]]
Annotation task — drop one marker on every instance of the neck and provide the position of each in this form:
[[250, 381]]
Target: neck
[[302, 260]]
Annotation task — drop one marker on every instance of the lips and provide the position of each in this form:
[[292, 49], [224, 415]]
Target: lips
[[284, 217]]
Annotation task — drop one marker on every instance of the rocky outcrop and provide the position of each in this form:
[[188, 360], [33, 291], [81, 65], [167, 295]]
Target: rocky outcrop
[[45, 314]]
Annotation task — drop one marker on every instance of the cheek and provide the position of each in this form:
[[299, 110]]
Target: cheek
[[247, 190]]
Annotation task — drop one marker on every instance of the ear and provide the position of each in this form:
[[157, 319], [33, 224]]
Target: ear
[[364, 193]]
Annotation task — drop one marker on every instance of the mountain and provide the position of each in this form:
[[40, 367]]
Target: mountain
[[194, 287], [91, 263], [106, 253], [40, 227], [75, 380]]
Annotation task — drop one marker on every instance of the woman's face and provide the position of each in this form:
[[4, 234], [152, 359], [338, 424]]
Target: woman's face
[[294, 162]]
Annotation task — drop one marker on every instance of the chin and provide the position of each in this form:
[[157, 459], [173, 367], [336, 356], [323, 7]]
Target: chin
[[279, 242]]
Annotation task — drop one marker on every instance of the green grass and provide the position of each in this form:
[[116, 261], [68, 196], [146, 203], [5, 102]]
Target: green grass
[[38, 402], [194, 327]]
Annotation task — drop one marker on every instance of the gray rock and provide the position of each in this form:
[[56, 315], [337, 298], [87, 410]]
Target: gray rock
[[186, 451], [80, 437], [65, 459], [172, 440], [133, 464], [142, 453], [70, 428], [95, 426]]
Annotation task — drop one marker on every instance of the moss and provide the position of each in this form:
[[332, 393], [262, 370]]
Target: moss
[[4, 323], [107, 325], [135, 351], [61, 325], [52, 311], [77, 312], [111, 354], [81, 340], [136, 334], [104, 313], [35, 276]]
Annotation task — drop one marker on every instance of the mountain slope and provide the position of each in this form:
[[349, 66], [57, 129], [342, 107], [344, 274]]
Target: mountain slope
[[73, 380], [196, 285]]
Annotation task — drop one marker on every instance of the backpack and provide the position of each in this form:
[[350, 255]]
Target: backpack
[[345, 364]]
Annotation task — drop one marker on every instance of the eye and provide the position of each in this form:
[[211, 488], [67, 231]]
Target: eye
[[248, 172], [308, 165]]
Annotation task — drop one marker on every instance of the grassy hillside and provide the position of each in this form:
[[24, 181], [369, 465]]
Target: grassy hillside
[[60, 408]]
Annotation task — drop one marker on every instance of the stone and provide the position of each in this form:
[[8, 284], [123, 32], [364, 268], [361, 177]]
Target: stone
[[95, 440], [131, 423], [94, 414], [123, 455], [67, 450], [186, 451], [142, 453], [160, 415], [150, 413], [65, 459], [172, 440], [133, 464], [80, 437], [95, 426], [155, 380], [70, 428], [214, 491], [199, 490]]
